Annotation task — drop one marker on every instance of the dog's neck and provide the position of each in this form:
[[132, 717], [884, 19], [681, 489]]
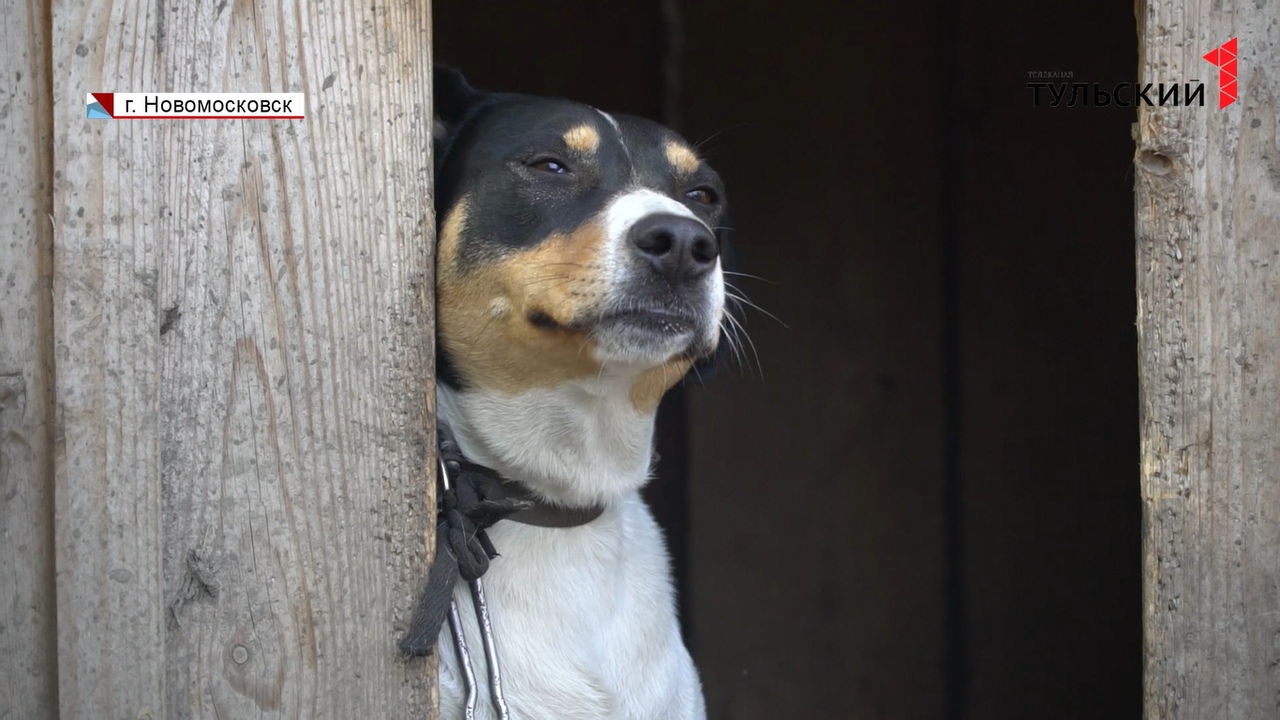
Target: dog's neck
[[578, 444]]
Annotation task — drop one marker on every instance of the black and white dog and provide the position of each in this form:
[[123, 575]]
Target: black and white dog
[[578, 279]]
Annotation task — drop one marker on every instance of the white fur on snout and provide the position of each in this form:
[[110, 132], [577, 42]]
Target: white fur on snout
[[621, 215], [631, 207]]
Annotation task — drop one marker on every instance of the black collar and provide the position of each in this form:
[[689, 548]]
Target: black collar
[[476, 498], [532, 509], [544, 514]]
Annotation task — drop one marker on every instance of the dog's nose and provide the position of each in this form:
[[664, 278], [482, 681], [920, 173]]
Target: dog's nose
[[678, 248]]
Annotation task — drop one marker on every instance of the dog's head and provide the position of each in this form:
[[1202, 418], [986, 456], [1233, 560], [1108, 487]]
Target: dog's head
[[570, 241]]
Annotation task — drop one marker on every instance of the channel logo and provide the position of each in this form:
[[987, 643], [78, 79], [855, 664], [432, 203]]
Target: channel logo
[[1224, 57]]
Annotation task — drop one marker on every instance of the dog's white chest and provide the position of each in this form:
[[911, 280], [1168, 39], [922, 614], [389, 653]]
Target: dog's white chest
[[584, 625]]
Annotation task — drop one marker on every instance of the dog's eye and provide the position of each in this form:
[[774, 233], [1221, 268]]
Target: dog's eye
[[705, 196], [550, 165]]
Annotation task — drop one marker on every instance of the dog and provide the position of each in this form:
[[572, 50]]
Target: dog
[[578, 279]]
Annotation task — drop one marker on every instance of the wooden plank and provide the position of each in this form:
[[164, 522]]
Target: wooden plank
[[28, 644], [1208, 250], [243, 342]]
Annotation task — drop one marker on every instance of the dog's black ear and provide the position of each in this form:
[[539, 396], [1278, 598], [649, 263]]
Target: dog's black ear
[[452, 96], [706, 368]]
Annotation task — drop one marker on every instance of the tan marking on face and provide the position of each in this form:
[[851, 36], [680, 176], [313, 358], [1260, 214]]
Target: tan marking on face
[[681, 157], [450, 232], [582, 139], [483, 312], [652, 384]]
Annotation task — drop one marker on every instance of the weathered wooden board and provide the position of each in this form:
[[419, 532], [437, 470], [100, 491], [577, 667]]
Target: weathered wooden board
[[1208, 232], [28, 663], [243, 342]]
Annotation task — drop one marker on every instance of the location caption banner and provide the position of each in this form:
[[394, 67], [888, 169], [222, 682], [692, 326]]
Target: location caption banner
[[195, 106]]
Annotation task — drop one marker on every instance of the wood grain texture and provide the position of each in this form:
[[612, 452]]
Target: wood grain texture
[[1208, 251], [28, 660], [243, 338]]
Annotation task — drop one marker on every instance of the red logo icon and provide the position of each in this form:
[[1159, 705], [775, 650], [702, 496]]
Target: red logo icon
[[1224, 57]]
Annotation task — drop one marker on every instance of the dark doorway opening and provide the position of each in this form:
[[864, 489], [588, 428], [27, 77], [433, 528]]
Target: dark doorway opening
[[921, 501]]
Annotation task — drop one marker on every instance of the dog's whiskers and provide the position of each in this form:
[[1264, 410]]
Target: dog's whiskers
[[697, 146], [600, 375], [748, 275], [550, 278], [743, 334], [735, 333], [731, 337], [735, 293], [734, 347], [563, 264]]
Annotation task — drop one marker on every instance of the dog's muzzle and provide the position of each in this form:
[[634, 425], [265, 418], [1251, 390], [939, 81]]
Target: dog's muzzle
[[667, 289]]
